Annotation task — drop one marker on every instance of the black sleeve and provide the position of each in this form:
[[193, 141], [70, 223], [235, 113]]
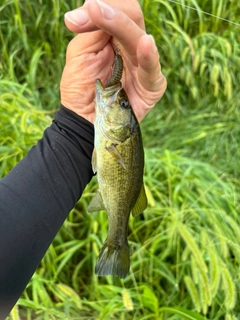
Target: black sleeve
[[36, 197]]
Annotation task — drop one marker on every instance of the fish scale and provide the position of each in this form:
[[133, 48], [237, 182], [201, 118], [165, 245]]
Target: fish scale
[[118, 159], [118, 185]]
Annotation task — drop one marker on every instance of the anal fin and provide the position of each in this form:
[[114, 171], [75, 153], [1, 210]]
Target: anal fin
[[96, 204]]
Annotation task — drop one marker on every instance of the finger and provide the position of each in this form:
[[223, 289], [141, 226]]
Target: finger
[[82, 44], [78, 20], [96, 56], [149, 68], [117, 24]]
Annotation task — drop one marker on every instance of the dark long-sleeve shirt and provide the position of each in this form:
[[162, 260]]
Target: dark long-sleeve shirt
[[36, 197]]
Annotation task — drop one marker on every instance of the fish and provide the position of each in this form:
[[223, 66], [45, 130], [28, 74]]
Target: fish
[[118, 160]]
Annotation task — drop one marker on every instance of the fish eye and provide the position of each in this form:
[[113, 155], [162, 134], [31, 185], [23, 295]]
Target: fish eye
[[124, 103]]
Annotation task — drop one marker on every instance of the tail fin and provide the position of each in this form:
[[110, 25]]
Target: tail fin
[[114, 261]]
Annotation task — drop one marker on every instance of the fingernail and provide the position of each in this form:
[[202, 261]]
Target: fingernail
[[77, 17], [107, 11], [154, 47]]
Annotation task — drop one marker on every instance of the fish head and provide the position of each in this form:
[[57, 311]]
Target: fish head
[[113, 109]]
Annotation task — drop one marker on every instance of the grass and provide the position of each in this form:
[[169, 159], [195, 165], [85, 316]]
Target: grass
[[186, 246]]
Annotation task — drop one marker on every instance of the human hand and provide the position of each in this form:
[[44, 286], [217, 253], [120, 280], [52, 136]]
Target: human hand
[[90, 55]]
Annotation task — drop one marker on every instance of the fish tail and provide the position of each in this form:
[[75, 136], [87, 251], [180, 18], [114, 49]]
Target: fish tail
[[113, 261]]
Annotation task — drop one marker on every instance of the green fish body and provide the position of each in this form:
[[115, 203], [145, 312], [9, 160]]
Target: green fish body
[[118, 159]]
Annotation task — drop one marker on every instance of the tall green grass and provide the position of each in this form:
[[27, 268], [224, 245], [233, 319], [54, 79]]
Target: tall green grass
[[186, 246]]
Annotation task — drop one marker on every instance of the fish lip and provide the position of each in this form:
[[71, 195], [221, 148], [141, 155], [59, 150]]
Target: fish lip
[[108, 96], [117, 87], [114, 90]]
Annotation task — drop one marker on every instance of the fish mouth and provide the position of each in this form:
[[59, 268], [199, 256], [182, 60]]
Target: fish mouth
[[112, 93], [106, 96], [115, 87]]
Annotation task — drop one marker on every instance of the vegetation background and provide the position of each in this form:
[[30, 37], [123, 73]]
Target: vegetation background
[[185, 261]]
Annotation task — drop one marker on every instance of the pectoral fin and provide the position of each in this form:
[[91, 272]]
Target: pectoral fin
[[113, 151], [96, 204], [141, 203], [94, 161]]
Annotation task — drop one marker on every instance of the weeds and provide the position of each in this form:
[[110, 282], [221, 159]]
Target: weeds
[[186, 246]]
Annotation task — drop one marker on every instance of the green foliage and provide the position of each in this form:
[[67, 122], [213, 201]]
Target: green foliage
[[183, 313], [22, 122], [186, 246]]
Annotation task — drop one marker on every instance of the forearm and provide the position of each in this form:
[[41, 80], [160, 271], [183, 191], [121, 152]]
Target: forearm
[[36, 197]]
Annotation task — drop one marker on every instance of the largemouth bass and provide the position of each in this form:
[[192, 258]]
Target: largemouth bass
[[118, 159]]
